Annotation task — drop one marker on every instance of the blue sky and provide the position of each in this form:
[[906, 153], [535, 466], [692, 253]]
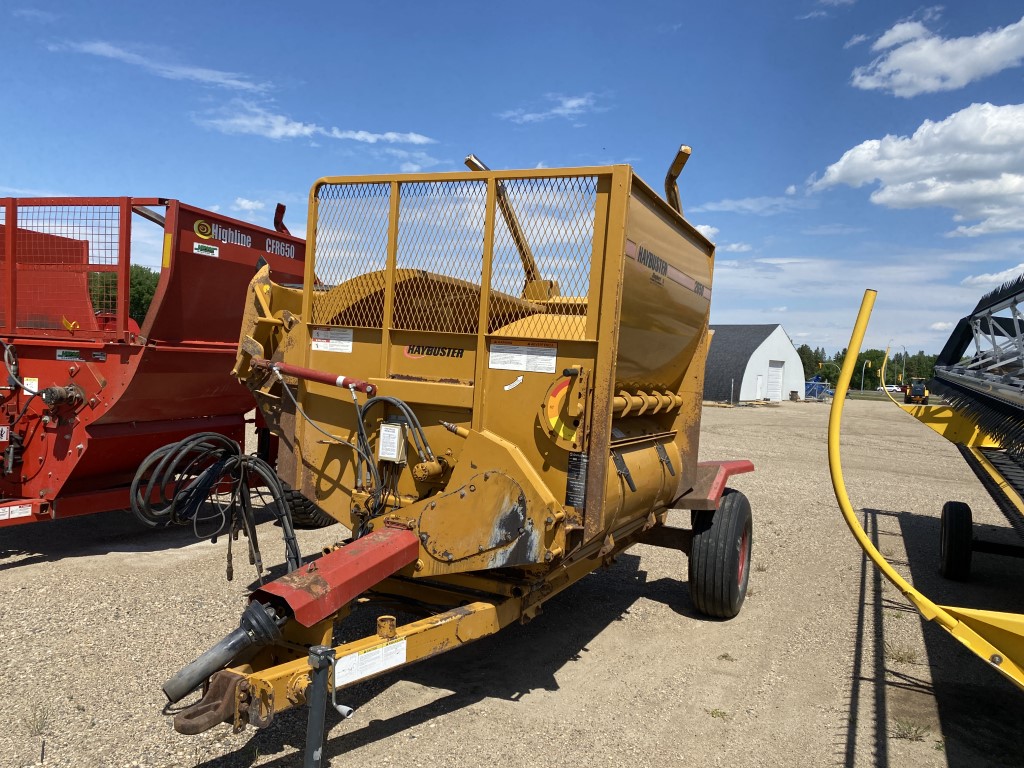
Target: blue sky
[[837, 144]]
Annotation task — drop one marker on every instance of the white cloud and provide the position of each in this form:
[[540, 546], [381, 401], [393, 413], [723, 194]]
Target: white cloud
[[941, 326], [736, 248], [34, 14], [244, 204], [822, 309], [819, 14], [708, 231], [774, 310], [761, 206], [855, 40], [791, 189], [971, 162], [248, 118], [388, 137], [412, 161], [29, 192], [832, 229], [916, 60], [563, 106], [993, 279], [222, 79]]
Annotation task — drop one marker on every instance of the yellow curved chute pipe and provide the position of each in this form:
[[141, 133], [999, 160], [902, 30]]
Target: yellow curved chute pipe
[[927, 608], [885, 389]]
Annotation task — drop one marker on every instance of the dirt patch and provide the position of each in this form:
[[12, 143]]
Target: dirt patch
[[826, 665]]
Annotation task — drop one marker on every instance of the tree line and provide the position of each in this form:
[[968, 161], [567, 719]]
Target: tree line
[[142, 282], [900, 368]]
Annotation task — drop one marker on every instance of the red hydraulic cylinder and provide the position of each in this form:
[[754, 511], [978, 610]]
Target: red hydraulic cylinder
[[322, 377]]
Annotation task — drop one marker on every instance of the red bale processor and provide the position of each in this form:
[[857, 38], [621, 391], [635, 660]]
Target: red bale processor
[[88, 391]]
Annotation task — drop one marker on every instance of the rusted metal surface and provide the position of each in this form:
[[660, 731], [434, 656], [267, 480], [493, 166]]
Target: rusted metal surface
[[219, 704], [322, 587], [710, 481]]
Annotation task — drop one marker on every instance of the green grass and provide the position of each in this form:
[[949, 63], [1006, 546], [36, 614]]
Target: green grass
[[902, 654], [908, 730]]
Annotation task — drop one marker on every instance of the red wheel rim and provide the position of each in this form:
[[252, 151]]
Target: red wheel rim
[[741, 569]]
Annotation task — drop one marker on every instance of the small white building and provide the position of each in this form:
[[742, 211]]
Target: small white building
[[752, 362]]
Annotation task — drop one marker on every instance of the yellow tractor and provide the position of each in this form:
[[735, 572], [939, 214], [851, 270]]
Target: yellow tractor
[[916, 392]]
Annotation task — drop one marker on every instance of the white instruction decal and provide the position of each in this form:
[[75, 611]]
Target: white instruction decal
[[356, 666], [32, 384], [16, 511], [5, 434], [332, 339], [532, 357]]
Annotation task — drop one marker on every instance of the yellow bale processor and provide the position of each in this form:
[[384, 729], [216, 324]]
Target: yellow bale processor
[[494, 380]]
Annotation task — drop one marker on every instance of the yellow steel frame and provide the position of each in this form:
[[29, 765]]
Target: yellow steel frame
[[996, 637], [283, 682]]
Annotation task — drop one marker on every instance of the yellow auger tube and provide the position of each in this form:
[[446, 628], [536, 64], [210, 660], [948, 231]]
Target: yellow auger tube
[[1007, 629]]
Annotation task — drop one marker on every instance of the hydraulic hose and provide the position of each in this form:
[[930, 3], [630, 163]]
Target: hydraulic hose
[[174, 482]]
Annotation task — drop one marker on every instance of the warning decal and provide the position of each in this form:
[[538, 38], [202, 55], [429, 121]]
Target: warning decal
[[332, 339], [532, 357], [356, 666]]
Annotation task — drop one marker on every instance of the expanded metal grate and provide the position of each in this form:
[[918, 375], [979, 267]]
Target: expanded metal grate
[[440, 248], [351, 242], [556, 220], [540, 272], [67, 260]]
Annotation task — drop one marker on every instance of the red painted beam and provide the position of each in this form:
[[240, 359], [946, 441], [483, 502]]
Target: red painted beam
[[726, 469], [325, 586]]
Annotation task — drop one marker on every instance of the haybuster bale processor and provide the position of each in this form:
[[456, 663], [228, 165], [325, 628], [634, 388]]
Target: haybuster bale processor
[[89, 393], [494, 379]]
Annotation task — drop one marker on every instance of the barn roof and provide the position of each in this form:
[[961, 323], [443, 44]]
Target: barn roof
[[731, 348]]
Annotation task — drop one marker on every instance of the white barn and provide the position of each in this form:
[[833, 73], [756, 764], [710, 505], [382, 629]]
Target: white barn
[[752, 362]]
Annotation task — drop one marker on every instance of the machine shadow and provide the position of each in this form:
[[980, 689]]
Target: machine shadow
[[507, 665], [867, 668], [99, 534], [979, 711]]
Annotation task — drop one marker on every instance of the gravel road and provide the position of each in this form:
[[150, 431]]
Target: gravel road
[[826, 665]]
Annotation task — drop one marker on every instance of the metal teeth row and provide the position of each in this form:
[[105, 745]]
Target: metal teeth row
[[1010, 471], [1002, 293], [1001, 420]]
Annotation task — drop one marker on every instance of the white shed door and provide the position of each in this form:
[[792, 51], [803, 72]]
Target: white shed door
[[775, 379]]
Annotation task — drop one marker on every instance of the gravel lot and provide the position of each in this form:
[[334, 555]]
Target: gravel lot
[[824, 666]]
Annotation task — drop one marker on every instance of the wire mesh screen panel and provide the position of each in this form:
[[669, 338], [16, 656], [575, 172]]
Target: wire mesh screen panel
[[66, 257], [350, 254], [440, 256], [543, 245]]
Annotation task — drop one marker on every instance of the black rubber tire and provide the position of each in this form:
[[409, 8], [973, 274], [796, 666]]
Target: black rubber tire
[[306, 514], [719, 567], [906, 399], [925, 401], [956, 534]]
